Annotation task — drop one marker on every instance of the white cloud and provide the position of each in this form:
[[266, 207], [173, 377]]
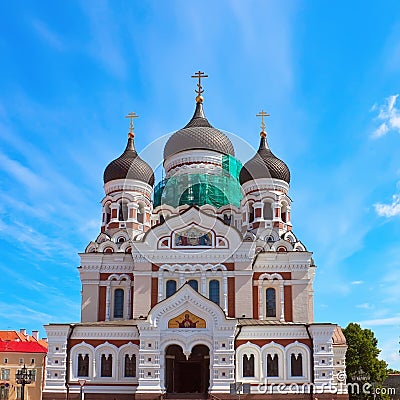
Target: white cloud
[[389, 210], [381, 131], [382, 321], [357, 282], [21, 173], [389, 114], [366, 306], [45, 33]]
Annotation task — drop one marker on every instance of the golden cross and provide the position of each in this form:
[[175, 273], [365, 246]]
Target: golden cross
[[199, 75], [262, 114], [131, 115]]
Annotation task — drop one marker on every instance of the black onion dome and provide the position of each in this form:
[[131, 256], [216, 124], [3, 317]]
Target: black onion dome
[[129, 166], [264, 164], [198, 134]]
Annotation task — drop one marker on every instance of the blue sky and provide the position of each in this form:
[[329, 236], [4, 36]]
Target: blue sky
[[328, 73]]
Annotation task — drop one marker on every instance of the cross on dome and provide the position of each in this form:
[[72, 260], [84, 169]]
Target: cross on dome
[[263, 114], [199, 74], [132, 116]]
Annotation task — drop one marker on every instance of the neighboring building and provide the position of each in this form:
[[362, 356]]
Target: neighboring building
[[392, 386], [16, 350], [196, 284]]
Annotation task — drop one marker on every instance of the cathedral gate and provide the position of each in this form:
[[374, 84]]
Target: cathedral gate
[[187, 374]]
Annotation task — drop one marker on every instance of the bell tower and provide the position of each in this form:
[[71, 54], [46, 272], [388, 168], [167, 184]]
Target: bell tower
[[128, 184], [265, 181]]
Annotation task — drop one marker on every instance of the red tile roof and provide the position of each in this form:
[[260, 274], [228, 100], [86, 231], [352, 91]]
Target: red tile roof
[[13, 341], [22, 347], [12, 335], [338, 336]]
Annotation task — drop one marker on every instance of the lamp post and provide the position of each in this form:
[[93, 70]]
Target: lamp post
[[23, 377], [81, 384]]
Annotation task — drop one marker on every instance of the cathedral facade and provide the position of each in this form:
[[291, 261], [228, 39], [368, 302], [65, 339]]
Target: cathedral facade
[[197, 286]]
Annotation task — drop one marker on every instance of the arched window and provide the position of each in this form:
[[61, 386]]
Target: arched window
[[119, 303], [130, 366], [228, 219], [107, 213], [140, 215], [271, 302], [251, 212], [170, 288], [106, 365], [268, 211], [123, 211], [284, 213], [194, 284], [272, 365], [213, 290], [296, 364], [83, 365], [248, 365]]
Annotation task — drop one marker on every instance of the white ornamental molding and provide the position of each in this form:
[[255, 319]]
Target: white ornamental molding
[[106, 333], [272, 332]]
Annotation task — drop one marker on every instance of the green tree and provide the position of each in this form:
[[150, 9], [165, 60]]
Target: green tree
[[362, 358]]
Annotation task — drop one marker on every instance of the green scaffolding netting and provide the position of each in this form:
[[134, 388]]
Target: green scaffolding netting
[[216, 189]]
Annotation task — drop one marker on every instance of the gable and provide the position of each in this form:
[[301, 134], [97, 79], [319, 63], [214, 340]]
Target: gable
[[193, 229]]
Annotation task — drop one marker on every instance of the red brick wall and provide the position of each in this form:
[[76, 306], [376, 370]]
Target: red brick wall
[[102, 304], [154, 291], [255, 302], [288, 304], [231, 297]]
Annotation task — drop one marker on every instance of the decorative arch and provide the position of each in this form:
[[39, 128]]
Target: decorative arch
[[298, 348], [273, 350], [102, 238], [118, 282], [248, 350], [282, 243], [124, 247], [131, 350], [84, 349], [107, 245], [271, 281], [269, 235], [299, 247], [120, 234], [106, 349], [91, 247], [270, 277], [290, 237], [187, 346]]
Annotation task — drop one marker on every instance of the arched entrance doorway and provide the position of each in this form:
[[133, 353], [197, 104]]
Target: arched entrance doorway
[[184, 375]]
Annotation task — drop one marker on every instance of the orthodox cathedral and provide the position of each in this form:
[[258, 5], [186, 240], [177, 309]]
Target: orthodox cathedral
[[196, 287]]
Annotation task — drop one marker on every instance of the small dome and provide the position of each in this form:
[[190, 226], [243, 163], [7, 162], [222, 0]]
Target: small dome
[[264, 164], [129, 166], [198, 134]]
